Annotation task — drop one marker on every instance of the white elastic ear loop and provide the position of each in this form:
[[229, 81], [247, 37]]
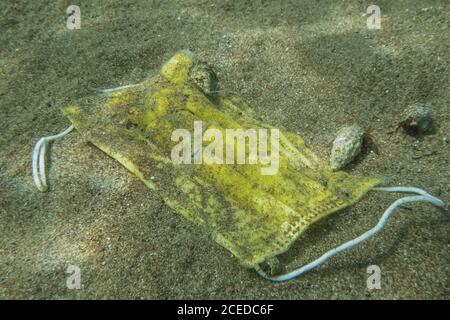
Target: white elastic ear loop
[[422, 197], [38, 159], [109, 90], [40, 148]]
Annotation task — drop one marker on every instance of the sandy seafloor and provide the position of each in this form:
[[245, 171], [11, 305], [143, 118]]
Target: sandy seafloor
[[311, 66]]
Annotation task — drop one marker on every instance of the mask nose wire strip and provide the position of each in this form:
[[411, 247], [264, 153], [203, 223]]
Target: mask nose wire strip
[[422, 197], [38, 158]]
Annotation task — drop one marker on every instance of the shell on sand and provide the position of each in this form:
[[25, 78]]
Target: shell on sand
[[346, 146]]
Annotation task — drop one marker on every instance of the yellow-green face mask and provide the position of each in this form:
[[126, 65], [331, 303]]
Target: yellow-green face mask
[[255, 216]]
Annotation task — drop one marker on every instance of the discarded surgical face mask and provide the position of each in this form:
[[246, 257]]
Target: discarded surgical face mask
[[255, 216]]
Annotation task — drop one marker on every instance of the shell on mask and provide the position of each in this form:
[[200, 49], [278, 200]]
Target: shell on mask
[[204, 77]]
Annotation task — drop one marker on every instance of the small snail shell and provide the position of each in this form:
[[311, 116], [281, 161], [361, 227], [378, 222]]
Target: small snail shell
[[416, 119], [204, 77], [346, 146]]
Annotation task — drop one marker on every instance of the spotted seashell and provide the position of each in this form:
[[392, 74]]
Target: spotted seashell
[[346, 146], [416, 119], [204, 77]]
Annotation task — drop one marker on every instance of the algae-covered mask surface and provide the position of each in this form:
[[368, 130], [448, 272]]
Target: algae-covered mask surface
[[254, 216]]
